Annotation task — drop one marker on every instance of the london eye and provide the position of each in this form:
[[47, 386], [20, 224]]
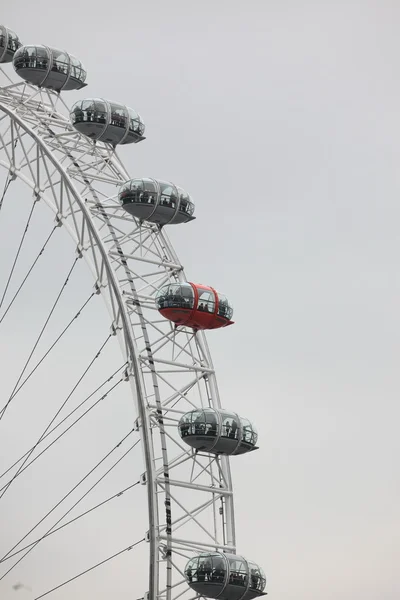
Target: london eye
[[78, 227]]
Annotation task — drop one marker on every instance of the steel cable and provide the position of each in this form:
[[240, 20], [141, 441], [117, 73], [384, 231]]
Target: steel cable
[[23, 468], [6, 186], [90, 569], [117, 495], [27, 275], [64, 331], [63, 420], [39, 338], [18, 253], [55, 416], [6, 556], [62, 500]]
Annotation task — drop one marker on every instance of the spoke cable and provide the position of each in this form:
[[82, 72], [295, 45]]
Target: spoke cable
[[27, 275], [6, 186], [90, 569], [62, 500], [18, 387], [18, 253], [53, 344], [39, 337], [56, 415], [117, 495], [46, 432], [64, 419], [23, 468]]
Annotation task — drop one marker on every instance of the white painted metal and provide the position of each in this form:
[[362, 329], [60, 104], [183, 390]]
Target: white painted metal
[[170, 369]]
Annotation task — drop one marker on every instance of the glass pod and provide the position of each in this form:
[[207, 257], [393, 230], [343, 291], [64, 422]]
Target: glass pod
[[217, 432], [156, 201], [108, 122], [225, 576], [194, 305], [9, 44], [49, 68]]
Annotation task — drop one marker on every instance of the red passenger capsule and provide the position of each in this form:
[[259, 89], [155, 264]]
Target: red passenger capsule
[[194, 305]]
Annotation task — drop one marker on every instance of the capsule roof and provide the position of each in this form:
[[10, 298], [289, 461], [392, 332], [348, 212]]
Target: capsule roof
[[160, 202], [217, 431], [9, 44], [225, 576], [105, 121], [49, 68], [194, 305]]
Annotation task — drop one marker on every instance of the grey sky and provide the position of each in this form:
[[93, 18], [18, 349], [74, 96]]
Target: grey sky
[[281, 118]]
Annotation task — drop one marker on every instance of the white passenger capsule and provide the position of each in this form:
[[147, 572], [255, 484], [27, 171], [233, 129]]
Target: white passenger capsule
[[217, 432], [225, 576], [9, 44], [49, 68], [107, 122], [156, 201]]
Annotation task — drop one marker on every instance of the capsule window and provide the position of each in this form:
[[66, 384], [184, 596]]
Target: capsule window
[[77, 114], [89, 110], [168, 195], [237, 572], [161, 297], [137, 186], [191, 570], [134, 122], [247, 431], [100, 115], [118, 117], [206, 567], [165, 296], [13, 43], [139, 191], [42, 61], [77, 70], [150, 186], [218, 569], [230, 427], [60, 62], [185, 425], [175, 295], [206, 300], [183, 200], [150, 192], [257, 577], [224, 308], [198, 423], [185, 205], [25, 58], [211, 423], [187, 295]]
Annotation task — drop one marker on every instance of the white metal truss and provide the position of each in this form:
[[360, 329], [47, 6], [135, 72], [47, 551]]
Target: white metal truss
[[190, 496]]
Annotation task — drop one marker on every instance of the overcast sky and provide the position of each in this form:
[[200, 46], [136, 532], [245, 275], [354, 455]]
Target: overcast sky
[[281, 118]]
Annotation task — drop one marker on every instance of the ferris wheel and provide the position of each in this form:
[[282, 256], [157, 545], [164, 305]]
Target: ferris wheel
[[64, 160]]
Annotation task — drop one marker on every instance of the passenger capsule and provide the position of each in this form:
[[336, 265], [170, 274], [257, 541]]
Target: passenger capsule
[[9, 44], [107, 122], [217, 432], [49, 68], [225, 576], [194, 305], [159, 202]]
